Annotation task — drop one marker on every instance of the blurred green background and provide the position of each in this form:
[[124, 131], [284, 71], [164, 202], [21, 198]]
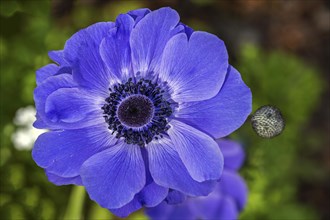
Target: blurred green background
[[281, 49]]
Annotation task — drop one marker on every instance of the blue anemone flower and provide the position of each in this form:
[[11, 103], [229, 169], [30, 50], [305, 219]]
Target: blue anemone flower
[[224, 203], [133, 107]]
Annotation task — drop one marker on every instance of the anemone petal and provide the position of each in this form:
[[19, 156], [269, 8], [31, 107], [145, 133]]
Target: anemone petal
[[46, 71], [114, 176], [59, 181], [233, 185], [222, 114], [232, 152], [74, 105], [149, 38], [63, 152], [168, 170], [198, 152], [115, 49], [195, 69]]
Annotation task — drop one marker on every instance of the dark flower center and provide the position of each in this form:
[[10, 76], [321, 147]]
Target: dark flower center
[[137, 111]]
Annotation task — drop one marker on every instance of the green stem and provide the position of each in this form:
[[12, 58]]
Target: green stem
[[75, 204], [99, 213]]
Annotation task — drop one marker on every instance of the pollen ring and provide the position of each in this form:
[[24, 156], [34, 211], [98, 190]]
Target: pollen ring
[[137, 111]]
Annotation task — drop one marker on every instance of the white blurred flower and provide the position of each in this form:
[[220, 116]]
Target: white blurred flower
[[25, 116], [24, 136]]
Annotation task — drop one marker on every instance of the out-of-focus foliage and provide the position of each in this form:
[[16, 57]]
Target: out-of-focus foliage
[[273, 168], [25, 192], [273, 165]]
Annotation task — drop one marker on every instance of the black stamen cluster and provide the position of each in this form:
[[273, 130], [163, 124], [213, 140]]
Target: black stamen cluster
[[124, 126]]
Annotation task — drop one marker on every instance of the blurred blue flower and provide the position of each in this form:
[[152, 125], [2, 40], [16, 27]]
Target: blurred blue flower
[[224, 203], [133, 108]]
